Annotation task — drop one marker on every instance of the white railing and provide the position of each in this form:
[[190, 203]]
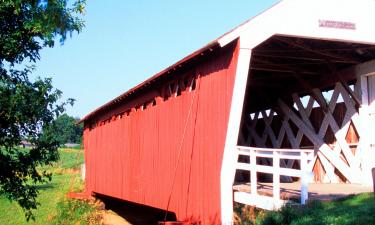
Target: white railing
[[302, 155]]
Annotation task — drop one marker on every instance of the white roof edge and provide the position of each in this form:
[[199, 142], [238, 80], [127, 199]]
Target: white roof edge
[[339, 20], [237, 31]]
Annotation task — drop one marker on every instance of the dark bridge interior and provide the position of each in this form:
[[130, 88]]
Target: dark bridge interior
[[283, 65]]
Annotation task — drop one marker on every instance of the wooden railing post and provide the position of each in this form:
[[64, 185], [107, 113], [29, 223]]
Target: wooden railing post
[[276, 176], [253, 171], [304, 178], [277, 170]]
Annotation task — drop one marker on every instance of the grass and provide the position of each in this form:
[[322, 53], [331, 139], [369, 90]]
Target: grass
[[69, 159], [54, 207], [351, 210], [75, 212]]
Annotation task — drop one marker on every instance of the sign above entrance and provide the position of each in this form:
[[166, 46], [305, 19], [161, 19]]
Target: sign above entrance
[[337, 24]]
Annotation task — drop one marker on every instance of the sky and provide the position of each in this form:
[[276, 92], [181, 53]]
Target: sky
[[126, 42]]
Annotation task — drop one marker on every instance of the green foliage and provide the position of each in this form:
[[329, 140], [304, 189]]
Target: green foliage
[[49, 195], [71, 211], [66, 129], [273, 218], [27, 107], [69, 159], [29, 25], [245, 214], [52, 195], [352, 210]]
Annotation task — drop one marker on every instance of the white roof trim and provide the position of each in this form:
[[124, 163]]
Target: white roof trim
[[342, 20]]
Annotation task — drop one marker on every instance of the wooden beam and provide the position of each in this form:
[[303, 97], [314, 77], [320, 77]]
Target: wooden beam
[[264, 68], [262, 85], [268, 65], [344, 84], [305, 114], [268, 76], [308, 87], [328, 167], [357, 101], [318, 141], [316, 51], [326, 81], [295, 56]]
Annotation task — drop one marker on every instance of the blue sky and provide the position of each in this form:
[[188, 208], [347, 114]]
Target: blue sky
[[125, 42]]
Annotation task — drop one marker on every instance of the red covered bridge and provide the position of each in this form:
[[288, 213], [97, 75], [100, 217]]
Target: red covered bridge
[[288, 92]]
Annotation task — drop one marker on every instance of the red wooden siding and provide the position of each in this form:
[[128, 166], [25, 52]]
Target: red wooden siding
[[134, 157]]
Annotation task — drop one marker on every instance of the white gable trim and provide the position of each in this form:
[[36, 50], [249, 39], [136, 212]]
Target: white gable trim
[[341, 20], [230, 156]]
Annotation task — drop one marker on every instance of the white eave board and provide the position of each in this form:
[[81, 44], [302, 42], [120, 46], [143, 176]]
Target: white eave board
[[342, 20]]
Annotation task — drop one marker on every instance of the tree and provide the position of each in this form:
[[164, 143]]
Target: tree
[[67, 130], [27, 107]]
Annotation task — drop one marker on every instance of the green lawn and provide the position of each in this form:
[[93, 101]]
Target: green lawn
[[351, 210], [52, 196], [69, 159]]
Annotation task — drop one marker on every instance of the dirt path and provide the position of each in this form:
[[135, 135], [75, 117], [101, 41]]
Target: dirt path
[[111, 218]]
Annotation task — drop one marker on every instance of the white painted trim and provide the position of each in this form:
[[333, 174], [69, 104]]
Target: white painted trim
[[228, 169], [363, 71], [253, 173], [83, 172], [276, 176], [301, 18], [302, 155], [304, 178], [260, 201]]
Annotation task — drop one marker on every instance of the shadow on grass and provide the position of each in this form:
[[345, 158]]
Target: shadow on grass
[[45, 186]]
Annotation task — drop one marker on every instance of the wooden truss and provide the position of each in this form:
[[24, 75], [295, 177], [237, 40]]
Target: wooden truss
[[325, 121]]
